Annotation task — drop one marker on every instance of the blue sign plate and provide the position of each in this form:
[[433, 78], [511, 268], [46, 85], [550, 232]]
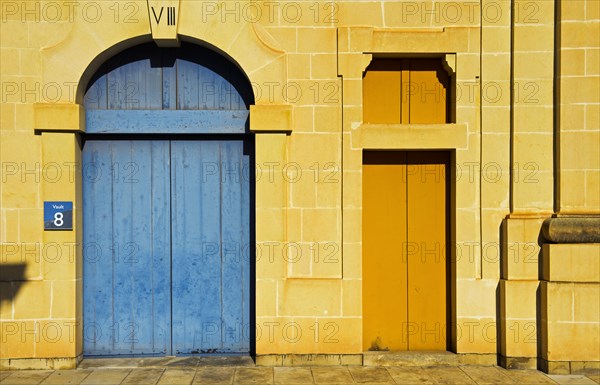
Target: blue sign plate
[[58, 215]]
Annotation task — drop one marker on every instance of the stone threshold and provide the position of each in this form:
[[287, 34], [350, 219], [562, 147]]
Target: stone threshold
[[385, 359], [58, 363], [166, 362], [427, 358], [407, 358], [570, 367]]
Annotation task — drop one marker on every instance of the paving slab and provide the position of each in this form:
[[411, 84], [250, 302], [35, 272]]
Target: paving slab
[[214, 375], [143, 377], [106, 377], [410, 375], [449, 375], [529, 377], [67, 377], [156, 362], [183, 362], [594, 377], [225, 361], [487, 375], [26, 377], [183, 376], [106, 363], [570, 379], [411, 358], [293, 376], [253, 376], [370, 375], [332, 375]]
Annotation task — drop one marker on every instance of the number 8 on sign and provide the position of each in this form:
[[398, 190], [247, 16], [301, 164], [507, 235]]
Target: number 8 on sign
[[58, 219]]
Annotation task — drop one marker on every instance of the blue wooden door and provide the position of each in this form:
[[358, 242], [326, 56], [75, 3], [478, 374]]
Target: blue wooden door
[[166, 218], [166, 247]]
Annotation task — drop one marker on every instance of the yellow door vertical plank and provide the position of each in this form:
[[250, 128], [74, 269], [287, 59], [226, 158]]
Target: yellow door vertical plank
[[427, 91], [426, 250], [384, 234], [381, 92]]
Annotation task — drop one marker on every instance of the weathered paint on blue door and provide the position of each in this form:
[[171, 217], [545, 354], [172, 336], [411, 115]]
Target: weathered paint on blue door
[[166, 221]]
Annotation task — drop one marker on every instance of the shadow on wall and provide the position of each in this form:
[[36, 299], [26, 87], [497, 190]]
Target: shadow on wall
[[12, 277]]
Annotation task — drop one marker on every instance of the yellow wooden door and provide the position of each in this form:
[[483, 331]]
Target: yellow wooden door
[[404, 249]]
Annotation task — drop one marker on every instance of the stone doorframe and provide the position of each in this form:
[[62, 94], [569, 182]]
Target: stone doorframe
[[73, 61]]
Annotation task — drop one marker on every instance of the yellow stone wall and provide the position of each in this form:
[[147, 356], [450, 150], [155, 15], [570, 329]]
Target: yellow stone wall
[[578, 111], [524, 138]]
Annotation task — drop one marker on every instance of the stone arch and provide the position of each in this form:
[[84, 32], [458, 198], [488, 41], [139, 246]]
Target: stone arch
[[82, 48]]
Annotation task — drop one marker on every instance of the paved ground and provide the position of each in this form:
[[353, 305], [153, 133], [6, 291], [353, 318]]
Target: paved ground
[[342, 375]]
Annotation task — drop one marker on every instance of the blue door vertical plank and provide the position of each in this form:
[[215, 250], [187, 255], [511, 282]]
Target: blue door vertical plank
[[196, 254], [187, 86], [147, 254], [122, 216], [161, 246], [133, 88], [96, 95], [223, 91], [169, 85], [236, 78], [117, 88], [152, 78], [135, 253], [247, 249], [97, 241], [213, 85], [232, 244], [206, 89]]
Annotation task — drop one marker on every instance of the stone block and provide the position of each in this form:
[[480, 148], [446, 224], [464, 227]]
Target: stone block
[[32, 300], [476, 335], [18, 339], [320, 225], [271, 118], [266, 297], [308, 335], [570, 321], [518, 327], [323, 66], [317, 40], [571, 262], [54, 116], [308, 297], [520, 248]]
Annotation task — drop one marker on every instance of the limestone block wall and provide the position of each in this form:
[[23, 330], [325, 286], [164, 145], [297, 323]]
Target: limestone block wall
[[578, 98], [523, 139], [569, 286], [40, 272], [570, 296]]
